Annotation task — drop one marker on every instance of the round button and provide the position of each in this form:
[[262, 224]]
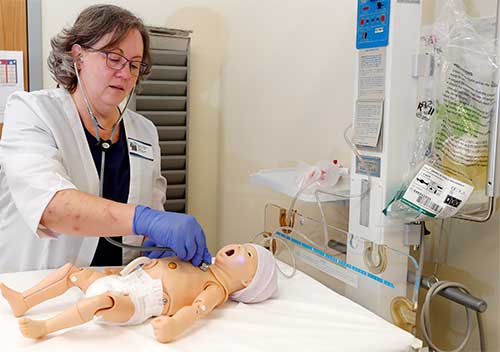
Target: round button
[[172, 265]]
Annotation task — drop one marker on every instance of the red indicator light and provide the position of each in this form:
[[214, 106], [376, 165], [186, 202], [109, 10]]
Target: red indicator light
[[362, 22], [382, 18], [366, 8]]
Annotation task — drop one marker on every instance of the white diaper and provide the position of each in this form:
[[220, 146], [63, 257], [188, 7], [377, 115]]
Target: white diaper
[[145, 292]]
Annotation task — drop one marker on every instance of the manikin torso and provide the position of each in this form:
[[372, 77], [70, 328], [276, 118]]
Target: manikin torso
[[182, 282]]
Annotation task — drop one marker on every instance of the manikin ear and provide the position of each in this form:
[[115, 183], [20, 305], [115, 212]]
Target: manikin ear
[[245, 283]]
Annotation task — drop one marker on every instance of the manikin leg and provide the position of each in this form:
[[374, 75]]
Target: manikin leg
[[80, 313], [113, 307], [52, 286]]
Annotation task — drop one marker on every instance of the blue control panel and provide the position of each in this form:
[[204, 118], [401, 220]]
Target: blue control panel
[[373, 23]]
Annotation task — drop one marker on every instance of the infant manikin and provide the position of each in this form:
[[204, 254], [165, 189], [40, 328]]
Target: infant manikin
[[173, 291]]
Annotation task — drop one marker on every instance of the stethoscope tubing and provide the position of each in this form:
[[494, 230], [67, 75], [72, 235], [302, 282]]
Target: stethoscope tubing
[[104, 148]]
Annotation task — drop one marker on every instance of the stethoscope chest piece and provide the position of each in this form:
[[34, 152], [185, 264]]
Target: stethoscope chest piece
[[104, 145]]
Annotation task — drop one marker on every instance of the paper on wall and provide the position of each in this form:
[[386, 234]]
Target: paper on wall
[[368, 122], [11, 76]]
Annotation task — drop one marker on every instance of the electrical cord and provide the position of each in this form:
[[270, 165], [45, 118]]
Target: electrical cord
[[425, 324], [437, 287]]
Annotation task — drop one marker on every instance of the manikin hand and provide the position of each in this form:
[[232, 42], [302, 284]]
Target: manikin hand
[[164, 328], [168, 328], [178, 231]]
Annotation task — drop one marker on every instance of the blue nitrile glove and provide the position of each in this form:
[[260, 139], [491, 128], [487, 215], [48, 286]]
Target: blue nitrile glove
[[178, 231]]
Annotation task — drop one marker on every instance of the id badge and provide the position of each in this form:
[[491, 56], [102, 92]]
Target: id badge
[[140, 149]]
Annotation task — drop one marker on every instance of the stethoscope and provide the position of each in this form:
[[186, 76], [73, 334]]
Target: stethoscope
[[104, 146]]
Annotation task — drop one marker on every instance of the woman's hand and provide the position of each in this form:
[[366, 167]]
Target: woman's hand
[[178, 231]]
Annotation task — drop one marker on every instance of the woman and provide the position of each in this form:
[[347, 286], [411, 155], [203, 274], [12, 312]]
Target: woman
[[56, 201]]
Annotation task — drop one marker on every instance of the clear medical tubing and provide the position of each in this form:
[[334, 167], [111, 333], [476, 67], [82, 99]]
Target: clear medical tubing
[[271, 239], [343, 196]]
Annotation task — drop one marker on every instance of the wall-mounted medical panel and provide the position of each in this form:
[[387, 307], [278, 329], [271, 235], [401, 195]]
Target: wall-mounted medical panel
[[372, 29], [163, 98], [173, 162], [175, 88], [385, 100], [173, 147], [172, 133], [174, 177], [176, 191], [161, 103], [169, 57], [171, 73], [166, 118]]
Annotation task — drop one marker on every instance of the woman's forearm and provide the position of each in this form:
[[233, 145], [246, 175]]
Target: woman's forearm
[[73, 212]]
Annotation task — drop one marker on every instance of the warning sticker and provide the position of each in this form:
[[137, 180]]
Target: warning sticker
[[436, 195]]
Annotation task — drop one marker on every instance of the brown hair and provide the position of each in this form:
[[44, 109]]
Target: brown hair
[[91, 25]]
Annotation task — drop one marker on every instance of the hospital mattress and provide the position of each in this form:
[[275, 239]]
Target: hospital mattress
[[306, 316]]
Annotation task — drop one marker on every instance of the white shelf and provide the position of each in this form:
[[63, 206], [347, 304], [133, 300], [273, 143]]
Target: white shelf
[[285, 181]]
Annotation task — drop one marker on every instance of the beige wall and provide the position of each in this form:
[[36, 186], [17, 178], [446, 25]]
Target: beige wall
[[272, 84]]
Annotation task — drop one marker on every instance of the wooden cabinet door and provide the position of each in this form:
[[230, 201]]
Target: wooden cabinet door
[[13, 31]]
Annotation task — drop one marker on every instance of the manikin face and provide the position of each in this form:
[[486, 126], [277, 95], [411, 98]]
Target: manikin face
[[240, 260], [107, 87]]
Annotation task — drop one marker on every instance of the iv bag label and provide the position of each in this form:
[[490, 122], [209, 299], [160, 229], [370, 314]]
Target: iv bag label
[[436, 195]]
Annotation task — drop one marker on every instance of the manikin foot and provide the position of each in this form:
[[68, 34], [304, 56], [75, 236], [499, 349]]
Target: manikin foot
[[33, 329], [15, 299]]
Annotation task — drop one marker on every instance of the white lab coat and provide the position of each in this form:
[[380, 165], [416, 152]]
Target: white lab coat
[[43, 149]]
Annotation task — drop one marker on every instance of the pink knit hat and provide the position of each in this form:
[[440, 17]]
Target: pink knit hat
[[265, 282]]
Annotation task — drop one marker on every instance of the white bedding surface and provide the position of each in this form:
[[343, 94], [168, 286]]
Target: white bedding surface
[[306, 316]]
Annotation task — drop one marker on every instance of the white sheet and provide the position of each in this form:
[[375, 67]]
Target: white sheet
[[307, 316]]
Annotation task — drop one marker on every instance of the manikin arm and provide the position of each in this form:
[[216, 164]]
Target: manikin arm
[[168, 328]]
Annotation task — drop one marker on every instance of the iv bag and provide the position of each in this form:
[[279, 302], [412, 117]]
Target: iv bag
[[449, 159]]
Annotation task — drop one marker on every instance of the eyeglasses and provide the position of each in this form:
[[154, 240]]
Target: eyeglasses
[[116, 62]]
